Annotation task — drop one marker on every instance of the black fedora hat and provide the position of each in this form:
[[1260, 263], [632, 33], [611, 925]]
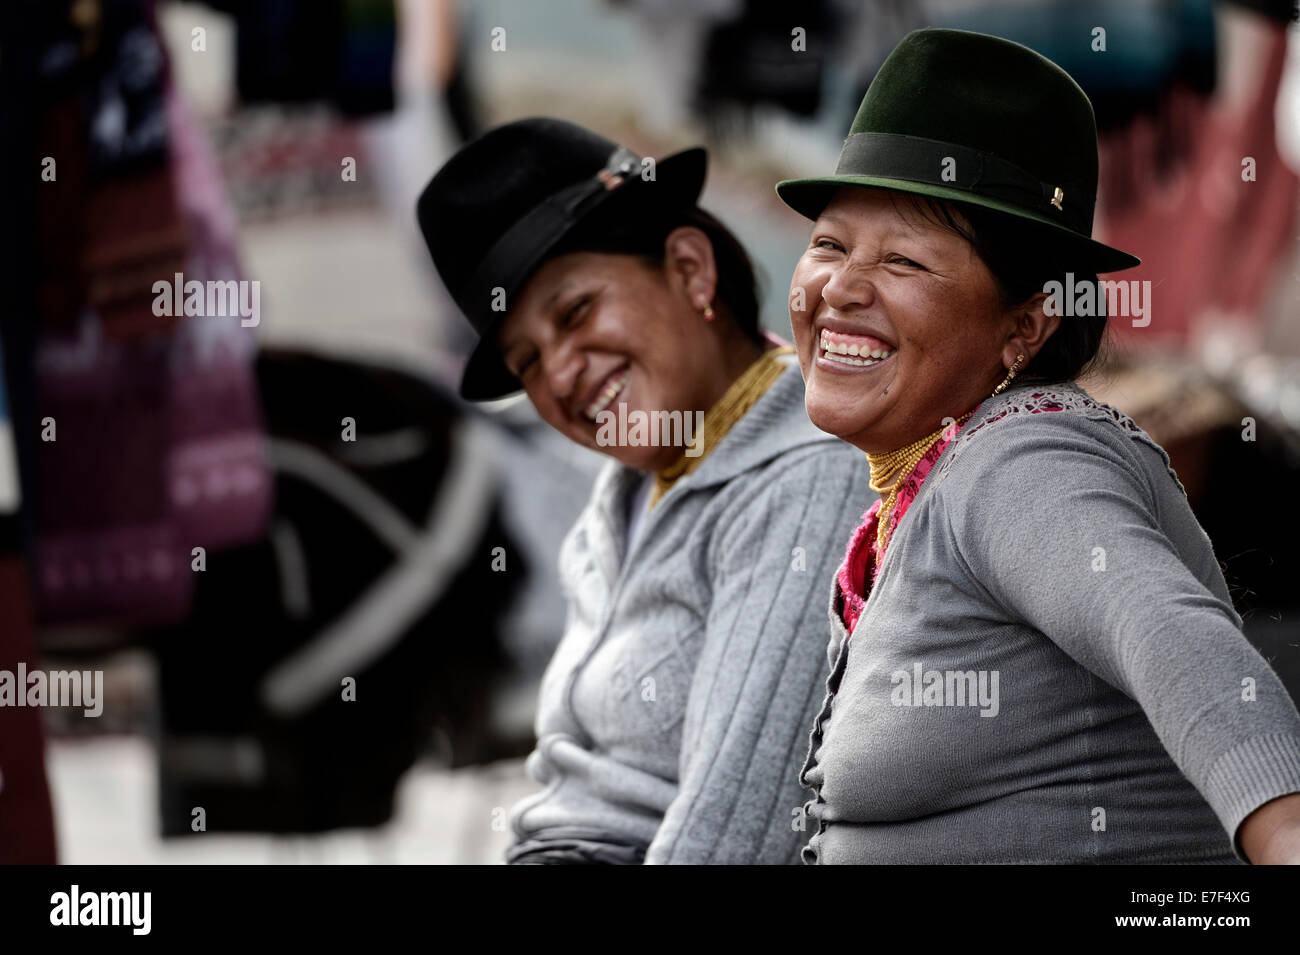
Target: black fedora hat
[[495, 211], [976, 119]]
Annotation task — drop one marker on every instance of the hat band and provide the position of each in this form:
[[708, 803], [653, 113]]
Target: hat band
[[518, 250], [950, 165]]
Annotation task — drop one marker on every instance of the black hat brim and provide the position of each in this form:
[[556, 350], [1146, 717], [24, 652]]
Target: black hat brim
[[809, 197], [678, 182]]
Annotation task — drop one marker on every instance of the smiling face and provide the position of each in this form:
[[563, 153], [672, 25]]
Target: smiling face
[[902, 323], [590, 331]]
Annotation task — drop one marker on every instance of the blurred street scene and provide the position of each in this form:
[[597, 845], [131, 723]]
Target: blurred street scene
[[202, 527]]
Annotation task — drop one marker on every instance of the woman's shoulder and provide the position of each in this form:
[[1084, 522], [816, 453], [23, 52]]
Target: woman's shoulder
[[815, 483], [808, 465], [1068, 399], [1046, 421]]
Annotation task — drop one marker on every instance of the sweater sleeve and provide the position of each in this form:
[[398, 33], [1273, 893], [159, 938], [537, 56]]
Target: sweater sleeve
[[1061, 524], [762, 667]]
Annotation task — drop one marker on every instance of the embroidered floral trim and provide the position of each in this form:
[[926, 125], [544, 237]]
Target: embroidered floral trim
[[1035, 399]]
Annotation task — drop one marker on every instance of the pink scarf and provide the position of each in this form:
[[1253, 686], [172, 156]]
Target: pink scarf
[[861, 566]]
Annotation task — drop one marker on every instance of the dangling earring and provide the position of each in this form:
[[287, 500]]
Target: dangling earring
[[708, 313], [1015, 367]]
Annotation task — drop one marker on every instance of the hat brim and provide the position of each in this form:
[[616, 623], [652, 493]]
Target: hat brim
[[678, 182], [809, 197]]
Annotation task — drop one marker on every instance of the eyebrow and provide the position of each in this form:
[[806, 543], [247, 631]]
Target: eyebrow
[[547, 305], [835, 218], [549, 302], [564, 288], [897, 230], [831, 217]]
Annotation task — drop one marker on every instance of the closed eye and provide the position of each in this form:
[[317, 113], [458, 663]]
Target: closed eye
[[522, 367], [904, 260], [574, 311]]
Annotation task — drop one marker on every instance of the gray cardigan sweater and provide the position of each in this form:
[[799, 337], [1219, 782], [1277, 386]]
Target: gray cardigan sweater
[[1048, 668], [673, 716]]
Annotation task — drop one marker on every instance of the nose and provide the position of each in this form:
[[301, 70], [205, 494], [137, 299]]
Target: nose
[[563, 365], [848, 287]]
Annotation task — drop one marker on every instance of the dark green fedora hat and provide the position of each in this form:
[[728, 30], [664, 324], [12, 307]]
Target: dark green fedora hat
[[981, 121]]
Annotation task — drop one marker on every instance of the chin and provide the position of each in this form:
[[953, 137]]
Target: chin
[[833, 415]]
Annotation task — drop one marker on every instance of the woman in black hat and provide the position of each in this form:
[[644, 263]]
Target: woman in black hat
[[1035, 654], [671, 719]]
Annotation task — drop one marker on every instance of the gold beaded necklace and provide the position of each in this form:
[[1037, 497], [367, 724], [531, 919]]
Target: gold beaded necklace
[[890, 469], [739, 397]]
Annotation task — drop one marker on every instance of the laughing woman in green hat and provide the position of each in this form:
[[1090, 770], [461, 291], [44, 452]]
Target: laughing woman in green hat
[[671, 720], [1035, 657]]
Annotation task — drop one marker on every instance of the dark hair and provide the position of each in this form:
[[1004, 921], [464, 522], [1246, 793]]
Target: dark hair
[[737, 292], [1023, 260]]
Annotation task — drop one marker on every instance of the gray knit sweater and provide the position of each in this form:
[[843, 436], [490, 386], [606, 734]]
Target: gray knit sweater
[[1048, 668], [675, 712]]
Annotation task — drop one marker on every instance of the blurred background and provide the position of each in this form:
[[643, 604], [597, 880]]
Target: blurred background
[[183, 508]]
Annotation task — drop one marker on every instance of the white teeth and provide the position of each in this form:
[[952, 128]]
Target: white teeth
[[606, 397], [852, 354]]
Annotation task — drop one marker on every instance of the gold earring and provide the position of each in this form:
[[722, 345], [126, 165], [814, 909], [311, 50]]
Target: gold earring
[[708, 313], [1015, 367]]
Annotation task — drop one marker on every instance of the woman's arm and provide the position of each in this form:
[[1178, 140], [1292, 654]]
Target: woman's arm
[[1059, 522], [1271, 834], [762, 670]]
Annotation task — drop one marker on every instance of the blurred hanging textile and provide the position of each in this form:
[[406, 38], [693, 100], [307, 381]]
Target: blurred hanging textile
[[299, 51], [305, 72], [151, 440], [747, 62], [26, 816], [1201, 188], [280, 162], [26, 819]]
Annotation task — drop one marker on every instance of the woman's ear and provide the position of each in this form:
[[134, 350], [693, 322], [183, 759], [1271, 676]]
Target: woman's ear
[[691, 267], [1031, 327]]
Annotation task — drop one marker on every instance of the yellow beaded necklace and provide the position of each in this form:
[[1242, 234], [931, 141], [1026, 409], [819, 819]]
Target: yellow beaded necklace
[[890, 469], [739, 397]]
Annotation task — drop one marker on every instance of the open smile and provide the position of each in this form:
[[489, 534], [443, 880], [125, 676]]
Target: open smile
[[839, 351], [607, 392]]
